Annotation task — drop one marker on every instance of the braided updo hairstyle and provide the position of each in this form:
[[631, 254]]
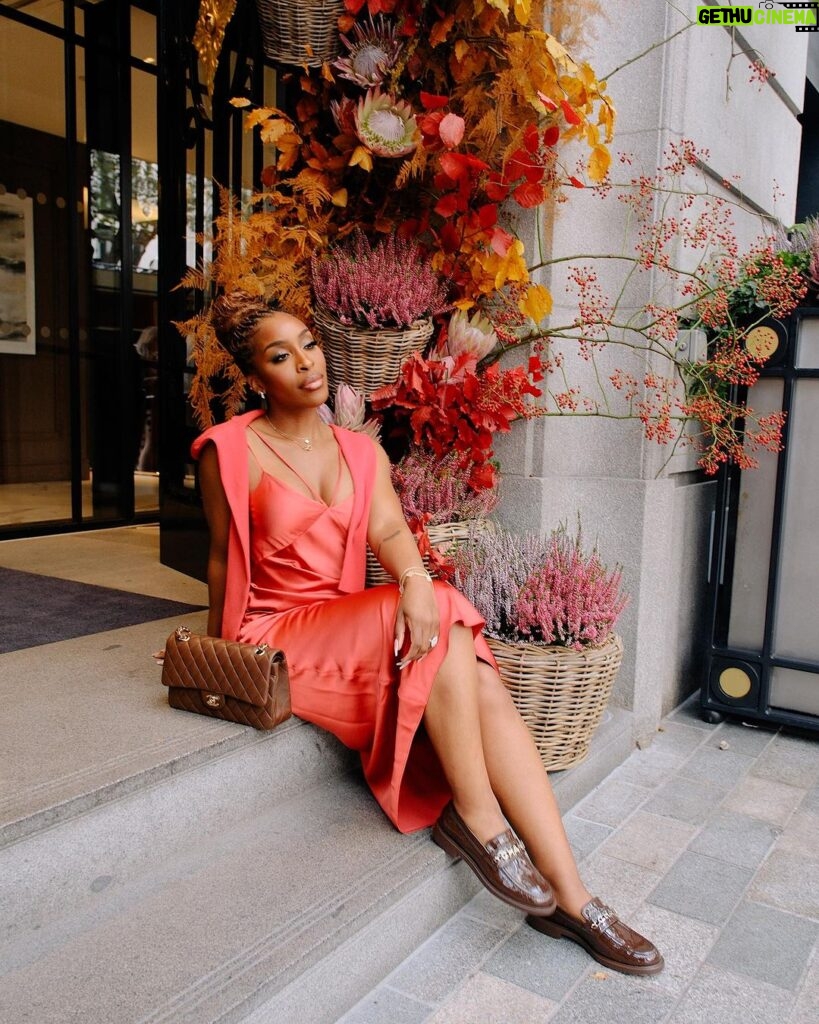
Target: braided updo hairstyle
[[235, 317]]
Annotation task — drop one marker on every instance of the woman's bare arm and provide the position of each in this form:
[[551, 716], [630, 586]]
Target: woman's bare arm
[[217, 513], [394, 546]]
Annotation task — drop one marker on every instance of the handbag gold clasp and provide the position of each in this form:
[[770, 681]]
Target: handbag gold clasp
[[214, 700], [261, 649], [183, 634]]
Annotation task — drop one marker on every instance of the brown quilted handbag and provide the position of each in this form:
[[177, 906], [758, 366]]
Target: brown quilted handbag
[[242, 683]]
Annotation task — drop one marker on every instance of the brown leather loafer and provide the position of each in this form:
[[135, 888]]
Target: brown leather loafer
[[502, 864], [604, 936]]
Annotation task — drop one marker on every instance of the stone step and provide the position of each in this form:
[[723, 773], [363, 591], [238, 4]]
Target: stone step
[[160, 866], [306, 904]]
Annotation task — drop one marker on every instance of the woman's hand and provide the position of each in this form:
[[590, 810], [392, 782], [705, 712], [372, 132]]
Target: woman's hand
[[417, 619]]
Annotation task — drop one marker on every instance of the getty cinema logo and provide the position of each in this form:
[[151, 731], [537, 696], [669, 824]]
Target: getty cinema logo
[[803, 16]]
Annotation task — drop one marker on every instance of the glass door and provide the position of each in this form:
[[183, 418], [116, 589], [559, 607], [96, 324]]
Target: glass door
[[78, 264]]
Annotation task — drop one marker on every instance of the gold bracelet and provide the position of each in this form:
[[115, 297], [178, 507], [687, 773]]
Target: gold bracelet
[[413, 570]]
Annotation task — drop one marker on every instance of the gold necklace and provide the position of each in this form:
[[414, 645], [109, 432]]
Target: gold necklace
[[305, 442]]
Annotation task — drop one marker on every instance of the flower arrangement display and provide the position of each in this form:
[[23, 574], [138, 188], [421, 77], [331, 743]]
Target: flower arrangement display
[[389, 284], [432, 119], [541, 590], [437, 127]]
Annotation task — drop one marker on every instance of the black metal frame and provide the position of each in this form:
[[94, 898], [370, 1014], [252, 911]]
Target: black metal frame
[[185, 122], [759, 665]]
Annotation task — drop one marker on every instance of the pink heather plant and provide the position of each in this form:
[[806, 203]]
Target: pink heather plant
[[546, 591], [570, 599], [490, 571], [438, 487], [391, 284]]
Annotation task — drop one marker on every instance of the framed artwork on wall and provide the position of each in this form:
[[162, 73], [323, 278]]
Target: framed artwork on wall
[[18, 334]]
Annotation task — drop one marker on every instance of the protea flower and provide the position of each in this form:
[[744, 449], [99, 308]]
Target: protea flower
[[343, 112], [372, 55], [386, 125], [349, 412], [474, 337]]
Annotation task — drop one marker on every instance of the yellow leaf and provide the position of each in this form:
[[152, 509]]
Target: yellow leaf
[[362, 158], [326, 73], [592, 134], [537, 303], [464, 304], [461, 49], [239, 101], [523, 8], [499, 5], [606, 117], [599, 163], [339, 197], [560, 54], [258, 115], [272, 131]]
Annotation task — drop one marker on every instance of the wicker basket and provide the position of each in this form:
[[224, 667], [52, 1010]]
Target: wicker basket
[[446, 538], [364, 359], [561, 694], [300, 33]]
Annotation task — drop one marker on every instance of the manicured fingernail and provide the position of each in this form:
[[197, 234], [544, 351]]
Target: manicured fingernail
[[395, 648]]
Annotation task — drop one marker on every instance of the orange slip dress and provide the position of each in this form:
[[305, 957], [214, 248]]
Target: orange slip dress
[[339, 646]]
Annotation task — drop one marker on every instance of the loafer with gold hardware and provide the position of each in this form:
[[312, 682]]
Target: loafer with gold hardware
[[502, 864], [604, 936]]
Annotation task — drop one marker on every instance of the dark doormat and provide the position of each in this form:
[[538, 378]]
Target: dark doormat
[[37, 610]]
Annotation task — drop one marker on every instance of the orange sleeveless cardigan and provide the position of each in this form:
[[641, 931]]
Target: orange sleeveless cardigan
[[231, 449]]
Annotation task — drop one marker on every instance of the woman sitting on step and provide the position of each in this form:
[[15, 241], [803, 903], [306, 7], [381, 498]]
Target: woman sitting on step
[[400, 672]]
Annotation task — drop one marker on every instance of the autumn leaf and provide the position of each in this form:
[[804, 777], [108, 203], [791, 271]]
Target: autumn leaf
[[361, 158], [429, 101], [451, 130], [258, 115], [599, 162], [576, 182], [523, 9], [547, 101], [551, 136], [537, 303], [448, 204], [440, 30], [529, 194], [239, 101], [339, 197], [570, 113]]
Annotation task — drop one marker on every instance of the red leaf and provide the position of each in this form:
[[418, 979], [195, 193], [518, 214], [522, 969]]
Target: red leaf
[[451, 130], [547, 101], [529, 195], [570, 113], [430, 123], [488, 215], [449, 204], [462, 165], [496, 191], [576, 182], [501, 240], [551, 135], [449, 238], [520, 165], [429, 101], [531, 138]]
